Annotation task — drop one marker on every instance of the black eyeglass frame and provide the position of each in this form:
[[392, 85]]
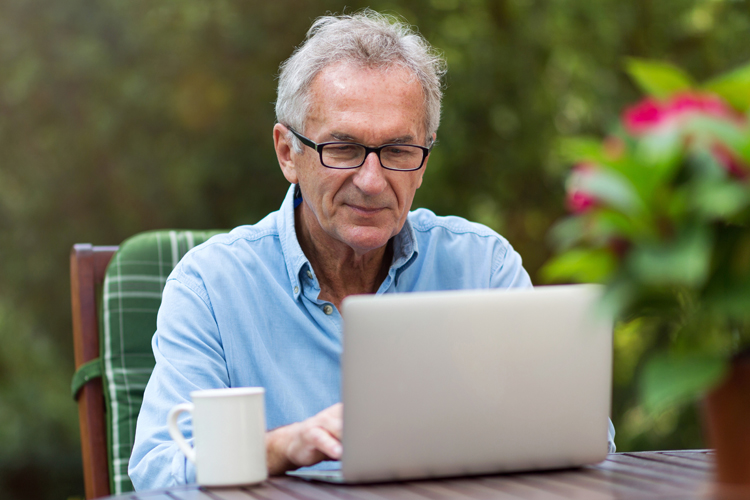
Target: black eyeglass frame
[[319, 148]]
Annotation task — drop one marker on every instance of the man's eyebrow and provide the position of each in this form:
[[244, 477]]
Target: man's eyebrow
[[403, 139], [340, 136]]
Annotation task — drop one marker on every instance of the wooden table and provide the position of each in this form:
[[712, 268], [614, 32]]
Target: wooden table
[[662, 474]]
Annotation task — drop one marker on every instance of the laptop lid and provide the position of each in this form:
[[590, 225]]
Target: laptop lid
[[472, 382]]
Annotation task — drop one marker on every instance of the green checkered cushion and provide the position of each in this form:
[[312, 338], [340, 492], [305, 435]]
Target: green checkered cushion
[[131, 296]]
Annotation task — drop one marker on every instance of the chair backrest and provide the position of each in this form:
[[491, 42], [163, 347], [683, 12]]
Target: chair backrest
[[117, 346]]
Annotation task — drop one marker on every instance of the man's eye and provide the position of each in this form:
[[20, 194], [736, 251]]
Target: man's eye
[[342, 149], [400, 151]]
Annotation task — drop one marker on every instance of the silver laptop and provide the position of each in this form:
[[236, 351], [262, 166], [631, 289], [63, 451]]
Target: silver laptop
[[473, 382]]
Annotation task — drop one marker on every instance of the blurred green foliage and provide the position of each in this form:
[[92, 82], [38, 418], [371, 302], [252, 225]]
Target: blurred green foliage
[[118, 117], [661, 215]]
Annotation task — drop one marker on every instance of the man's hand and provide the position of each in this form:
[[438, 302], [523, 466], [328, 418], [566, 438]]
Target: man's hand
[[305, 443]]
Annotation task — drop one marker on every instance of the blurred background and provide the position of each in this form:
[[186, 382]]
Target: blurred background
[[122, 116]]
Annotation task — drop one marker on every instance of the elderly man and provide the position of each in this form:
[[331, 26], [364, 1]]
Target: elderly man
[[358, 109]]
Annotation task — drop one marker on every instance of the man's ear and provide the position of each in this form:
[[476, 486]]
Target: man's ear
[[424, 167], [284, 152]]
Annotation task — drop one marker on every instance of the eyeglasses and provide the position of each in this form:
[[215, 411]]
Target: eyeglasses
[[343, 155]]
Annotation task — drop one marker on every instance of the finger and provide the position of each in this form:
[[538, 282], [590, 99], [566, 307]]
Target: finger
[[331, 419], [326, 443], [333, 425], [303, 450], [336, 428], [336, 410]]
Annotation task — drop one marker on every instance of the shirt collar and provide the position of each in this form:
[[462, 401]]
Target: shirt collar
[[293, 255], [404, 244], [405, 250]]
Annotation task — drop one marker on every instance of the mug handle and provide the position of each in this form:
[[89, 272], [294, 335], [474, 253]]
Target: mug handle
[[175, 432]]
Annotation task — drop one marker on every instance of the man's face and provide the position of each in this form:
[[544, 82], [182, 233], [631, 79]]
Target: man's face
[[361, 208]]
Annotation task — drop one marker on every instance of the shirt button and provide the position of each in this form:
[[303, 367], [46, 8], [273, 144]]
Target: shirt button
[[309, 274], [328, 308], [296, 289]]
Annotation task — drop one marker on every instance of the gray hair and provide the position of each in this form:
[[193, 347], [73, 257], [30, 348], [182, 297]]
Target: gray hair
[[368, 39]]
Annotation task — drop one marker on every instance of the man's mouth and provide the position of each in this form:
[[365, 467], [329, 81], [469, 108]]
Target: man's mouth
[[365, 210]]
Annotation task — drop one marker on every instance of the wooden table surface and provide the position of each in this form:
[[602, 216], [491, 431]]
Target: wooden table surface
[[661, 474]]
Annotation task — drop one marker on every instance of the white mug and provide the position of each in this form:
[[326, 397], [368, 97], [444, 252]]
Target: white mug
[[229, 427]]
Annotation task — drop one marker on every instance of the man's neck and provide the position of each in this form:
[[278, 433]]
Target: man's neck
[[340, 270]]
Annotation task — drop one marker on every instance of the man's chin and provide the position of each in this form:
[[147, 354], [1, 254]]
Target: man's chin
[[366, 239]]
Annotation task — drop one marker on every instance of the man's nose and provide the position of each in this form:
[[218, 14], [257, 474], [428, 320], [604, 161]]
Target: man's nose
[[370, 177]]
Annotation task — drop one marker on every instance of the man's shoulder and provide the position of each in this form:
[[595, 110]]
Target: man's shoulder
[[455, 253], [424, 220], [242, 242], [248, 233]]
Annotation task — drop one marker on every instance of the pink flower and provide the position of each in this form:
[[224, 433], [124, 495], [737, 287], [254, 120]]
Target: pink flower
[[651, 115], [578, 200]]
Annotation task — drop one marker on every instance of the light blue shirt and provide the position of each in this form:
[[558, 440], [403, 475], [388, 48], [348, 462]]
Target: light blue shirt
[[242, 309]]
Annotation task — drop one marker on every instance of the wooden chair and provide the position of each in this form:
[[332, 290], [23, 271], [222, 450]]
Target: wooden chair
[[116, 294], [87, 267]]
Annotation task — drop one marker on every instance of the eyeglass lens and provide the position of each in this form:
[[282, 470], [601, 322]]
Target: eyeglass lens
[[400, 157]]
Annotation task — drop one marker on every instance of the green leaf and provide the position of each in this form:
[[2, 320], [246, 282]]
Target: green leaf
[[579, 265], [612, 188], [578, 149], [719, 199], [618, 296], [658, 155], [734, 87], [567, 232], [656, 78], [682, 261], [733, 135], [613, 224], [670, 380]]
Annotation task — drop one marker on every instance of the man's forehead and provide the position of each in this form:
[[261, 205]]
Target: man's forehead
[[379, 94]]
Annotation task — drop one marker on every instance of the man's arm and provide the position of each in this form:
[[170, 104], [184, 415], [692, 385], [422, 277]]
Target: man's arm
[[507, 269], [189, 356]]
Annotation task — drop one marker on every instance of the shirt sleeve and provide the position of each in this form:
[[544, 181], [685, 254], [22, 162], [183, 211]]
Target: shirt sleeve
[[611, 437], [189, 356], [508, 271]]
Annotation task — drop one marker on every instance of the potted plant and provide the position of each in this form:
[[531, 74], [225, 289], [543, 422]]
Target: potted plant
[[660, 213]]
